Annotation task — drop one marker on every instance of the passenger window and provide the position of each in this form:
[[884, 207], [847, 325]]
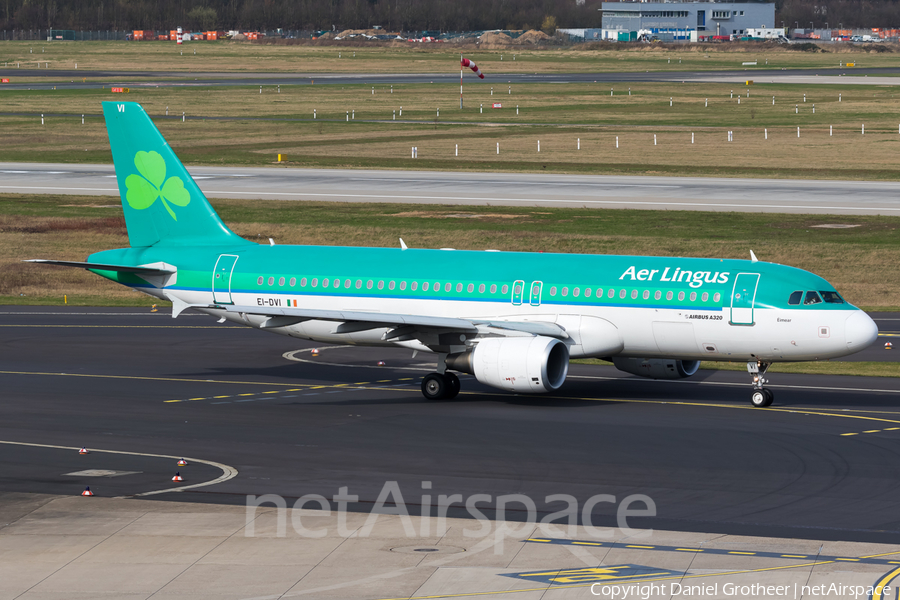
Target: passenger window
[[412, 286], [705, 296], [812, 298], [481, 288], [657, 295], [634, 294], [576, 291], [368, 284], [587, 292], [470, 288], [391, 285], [315, 282], [646, 294], [380, 285], [271, 280], [337, 283], [459, 287], [680, 296], [716, 297], [832, 297], [281, 281], [504, 290], [424, 286], [565, 291], [358, 284], [402, 285], [611, 293], [259, 281], [622, 293], [326, 283], [303, 282], [795, 298], [446, 287], [668, 295], [693, 296], [553, 291], [494, 288]]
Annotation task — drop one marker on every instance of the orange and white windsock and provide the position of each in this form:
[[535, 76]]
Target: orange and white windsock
[[468, 63]]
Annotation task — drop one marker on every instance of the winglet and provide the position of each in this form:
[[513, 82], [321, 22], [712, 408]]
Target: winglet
[[403, 245], [753, 257]]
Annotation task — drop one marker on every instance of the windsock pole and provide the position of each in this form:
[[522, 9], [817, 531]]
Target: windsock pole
[[460, 81]]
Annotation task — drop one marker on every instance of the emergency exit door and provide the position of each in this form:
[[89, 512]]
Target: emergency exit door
[[221, 283]]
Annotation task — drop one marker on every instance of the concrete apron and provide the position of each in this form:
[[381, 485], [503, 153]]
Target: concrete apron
[[72, 547]]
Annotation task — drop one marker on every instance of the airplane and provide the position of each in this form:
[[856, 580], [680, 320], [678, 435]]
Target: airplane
[[511, 319]]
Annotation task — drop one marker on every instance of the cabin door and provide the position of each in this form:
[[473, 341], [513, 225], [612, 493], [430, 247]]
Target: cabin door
[[743, 296], [221, 283]]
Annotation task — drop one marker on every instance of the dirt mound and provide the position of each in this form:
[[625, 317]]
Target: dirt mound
[[493, 37], [532, 37]]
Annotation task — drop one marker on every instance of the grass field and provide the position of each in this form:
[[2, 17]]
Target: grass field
[[859, 261], [437, 58], [219, 132]]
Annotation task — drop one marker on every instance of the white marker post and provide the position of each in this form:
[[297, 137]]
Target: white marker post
[[498, 147], [348, 116], [457, 149], [706, 103], [830, 130], [670, 101], [82, 119], [395, 115], [182, 116], [766, 131], [864, 129], [539, 145], [773, 100], [42, 118], [353, 116], [798, 132], [617, 142], [692, 137], [579, 143], [314, 114], [654, 139]]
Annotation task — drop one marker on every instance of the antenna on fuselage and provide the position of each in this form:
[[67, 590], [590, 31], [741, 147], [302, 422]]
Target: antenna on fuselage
[[753, 257]]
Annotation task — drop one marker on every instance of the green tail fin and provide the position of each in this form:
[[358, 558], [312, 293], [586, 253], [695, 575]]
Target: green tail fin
[[162, 204]]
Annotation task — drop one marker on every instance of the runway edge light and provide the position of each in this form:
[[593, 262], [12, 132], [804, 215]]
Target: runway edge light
[[178, 477], [83, 450], [182, 462], [87, 492]]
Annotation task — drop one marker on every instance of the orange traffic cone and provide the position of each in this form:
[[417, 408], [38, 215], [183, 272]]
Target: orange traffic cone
[[87, 492], [83, 450], [178, 477], [182, 463]]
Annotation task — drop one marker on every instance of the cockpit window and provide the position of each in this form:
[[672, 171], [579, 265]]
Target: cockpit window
[[812, 298], [795, 298], [832, 297]]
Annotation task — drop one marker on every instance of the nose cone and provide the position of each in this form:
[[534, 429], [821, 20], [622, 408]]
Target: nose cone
[[861, 331]]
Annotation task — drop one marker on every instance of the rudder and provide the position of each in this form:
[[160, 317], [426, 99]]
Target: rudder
[[161, 201]]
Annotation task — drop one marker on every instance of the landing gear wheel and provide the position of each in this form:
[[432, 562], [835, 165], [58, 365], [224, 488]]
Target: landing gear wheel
[[435, 386], [452, 386], [762, 398]]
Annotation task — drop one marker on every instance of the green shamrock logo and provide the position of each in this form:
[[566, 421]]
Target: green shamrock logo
[[144, 189]]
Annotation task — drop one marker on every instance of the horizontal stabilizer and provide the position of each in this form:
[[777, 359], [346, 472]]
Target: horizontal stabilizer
[[102, 267]]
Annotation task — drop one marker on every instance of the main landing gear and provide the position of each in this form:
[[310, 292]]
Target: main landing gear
[[440, 386], [761, 397]]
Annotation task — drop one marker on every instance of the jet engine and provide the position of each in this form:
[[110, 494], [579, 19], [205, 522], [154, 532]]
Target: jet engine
[[529, 365], [657, 368]]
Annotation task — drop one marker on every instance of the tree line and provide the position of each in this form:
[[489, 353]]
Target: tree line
[[392, 15]]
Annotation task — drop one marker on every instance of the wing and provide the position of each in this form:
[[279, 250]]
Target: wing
[[400, 327]]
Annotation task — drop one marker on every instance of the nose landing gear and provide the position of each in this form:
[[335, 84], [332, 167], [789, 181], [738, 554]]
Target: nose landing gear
[[761, 396]]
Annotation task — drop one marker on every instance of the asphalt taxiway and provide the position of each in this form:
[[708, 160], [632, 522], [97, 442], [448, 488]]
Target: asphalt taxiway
[[481, 189], [69, 78], [820, 464]]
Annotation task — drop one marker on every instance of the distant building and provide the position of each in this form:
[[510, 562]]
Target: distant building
[[685, 20]]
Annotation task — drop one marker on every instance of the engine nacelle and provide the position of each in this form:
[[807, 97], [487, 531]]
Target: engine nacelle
[[529, 365], [657, 368]]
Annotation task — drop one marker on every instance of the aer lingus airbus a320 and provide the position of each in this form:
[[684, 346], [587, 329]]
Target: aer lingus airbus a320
[[511, 319]]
